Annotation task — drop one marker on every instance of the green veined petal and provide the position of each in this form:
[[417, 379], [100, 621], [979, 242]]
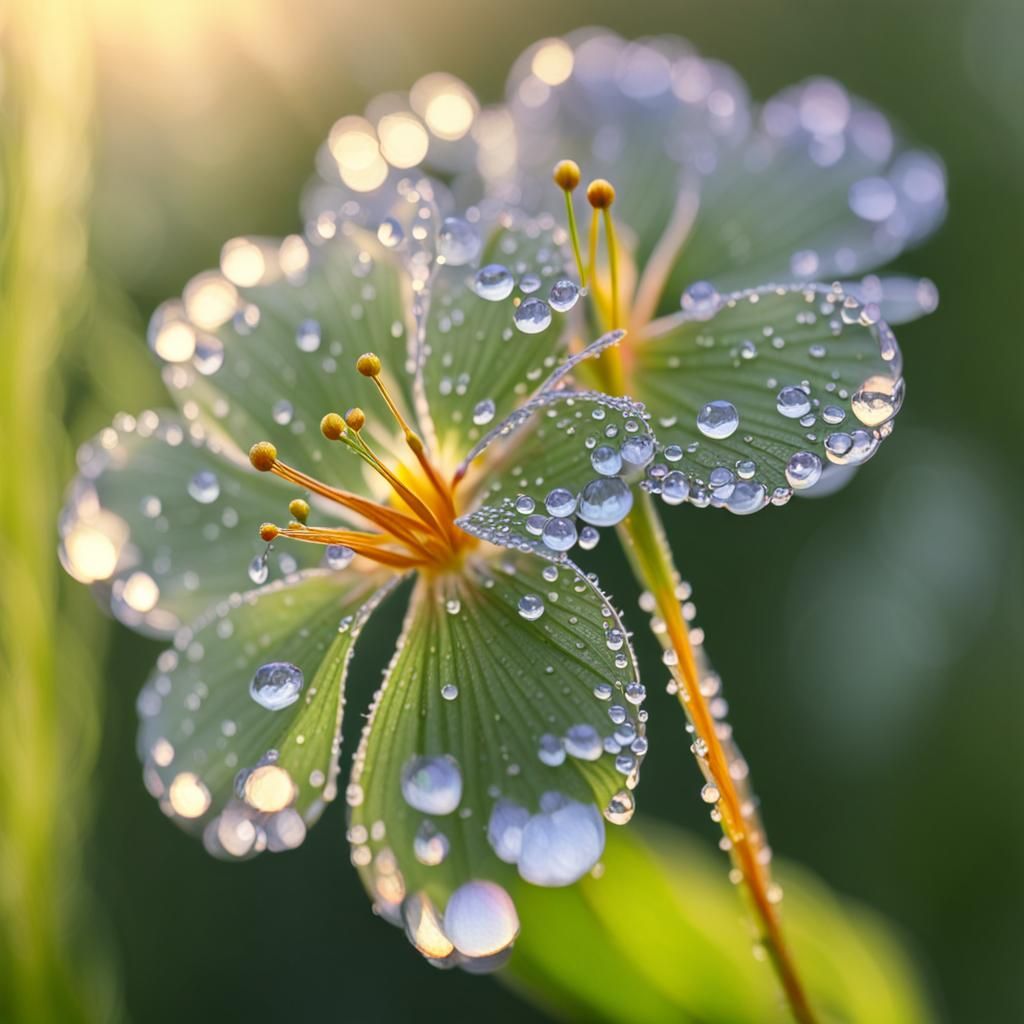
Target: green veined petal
[[240, 722], [821, 189], [495, 326], [163, 522], [507, 731], [753, 394], [556, 471], [263, 348]]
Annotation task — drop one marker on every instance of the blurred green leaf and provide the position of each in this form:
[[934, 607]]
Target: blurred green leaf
[[664, 934]]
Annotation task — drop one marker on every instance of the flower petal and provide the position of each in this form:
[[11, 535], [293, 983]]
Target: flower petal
[[506, 732], [556, 470], [240, 722], [821, 189], [637, 113], [262, 349], [900, 299], [495, 321], [163, 522], [757, 391]]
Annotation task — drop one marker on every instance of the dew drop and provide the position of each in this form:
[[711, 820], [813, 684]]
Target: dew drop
[[276, 685], [718, 420], [531, 607], [483, 412], [204, 487], [432, 785], [493, 282], [282, 412], [637, 451], [338, 556], [606, 460], [457, 242], [307, 337], [429, 845], [390, 233], [560, 502], [559, 534], [605, 501], [701, 300], [583, 742], [793, 402], [532, 316], [480, 919], [562, 843], [563, 296], [258, 570], [803, 470]]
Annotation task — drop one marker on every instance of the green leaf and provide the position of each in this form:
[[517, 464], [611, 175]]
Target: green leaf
[[822, 188], [162, 521], [507, 729], [753, 393], [286, 353], [477, 364], [240, 721], [666, 932], [556, 470]]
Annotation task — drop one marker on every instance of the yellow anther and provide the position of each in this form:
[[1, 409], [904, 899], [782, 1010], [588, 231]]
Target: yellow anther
[[299, 509], [268, 531], [600, 194], [368, 364], [332, 426], [263, 455], [567, 175], [355, 419]]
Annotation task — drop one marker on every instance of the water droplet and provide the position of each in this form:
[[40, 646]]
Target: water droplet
[[583, 742], [505, 829], [803, 470], [204, 487], [718, 420], [338, 556], [804, 263], [276, 685], [531, 607], [551, 750], [453, 606], [559, 534], [282, 412], [620, 808], [606, 460], [457, 242], [746, 497], [832, 414], [701, 300], [493, 282], [529, 283], [432, 785], [480, 919], [709, 793], [563, 296], [637, 451], [532, 316], [588, 538], [483, 412], [560, 502], [429, 845], [390, 233], [449, 691], [873, 199], [875, 401], [259, 570], [793, 402], [674, 488], [525, 505], [307, 337], [605, 501], [562, 843]]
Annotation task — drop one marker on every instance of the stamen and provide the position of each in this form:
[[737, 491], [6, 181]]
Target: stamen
[[299, 510], [601, 195], [268, 531], [369, 545], [567, 177], [369, 365]]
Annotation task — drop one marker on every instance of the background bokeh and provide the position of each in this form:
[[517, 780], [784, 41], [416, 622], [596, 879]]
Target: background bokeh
[[870, 643]]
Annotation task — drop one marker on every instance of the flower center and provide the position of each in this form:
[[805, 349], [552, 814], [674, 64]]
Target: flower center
[[416, 530]]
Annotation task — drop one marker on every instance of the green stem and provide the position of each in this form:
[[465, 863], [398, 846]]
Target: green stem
[[724, 769]]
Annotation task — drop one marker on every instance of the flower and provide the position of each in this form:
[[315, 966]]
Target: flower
[[508, 728]]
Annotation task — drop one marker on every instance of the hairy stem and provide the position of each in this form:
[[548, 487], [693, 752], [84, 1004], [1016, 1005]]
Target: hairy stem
[[720, 761]]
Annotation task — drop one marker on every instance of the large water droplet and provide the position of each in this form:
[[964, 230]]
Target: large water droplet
[[276, 685], [338, 556], [307, 337], [390, 233], [562, 843], [583, 742], [480, 919], [505, 829], [793, 402], [701, 300], [259, 570], [493, 282], [606, 460], [605, 501], [563, 296], [637, 451], [559, 534], [483, 412], [560, 502], [531, 607], [718, 419], [803, 470], [532, 316], [432, 785], [875, 401], [430, 846]]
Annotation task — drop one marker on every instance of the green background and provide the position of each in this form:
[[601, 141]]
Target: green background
[[869, 642]]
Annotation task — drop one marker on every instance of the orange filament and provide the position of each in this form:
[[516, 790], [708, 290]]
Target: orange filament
[[419, 532]]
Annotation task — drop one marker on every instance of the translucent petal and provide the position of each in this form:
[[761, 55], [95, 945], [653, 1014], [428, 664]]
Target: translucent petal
[[240, 721], [272, 361], [557, 470], [822, 188], [162, 522], [755, 395], [900, 299], [495, 326], [507, 729], [637, 113]]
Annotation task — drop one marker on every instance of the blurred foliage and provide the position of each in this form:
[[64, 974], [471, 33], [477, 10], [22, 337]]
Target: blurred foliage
[[870, 644], [660, 936]]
